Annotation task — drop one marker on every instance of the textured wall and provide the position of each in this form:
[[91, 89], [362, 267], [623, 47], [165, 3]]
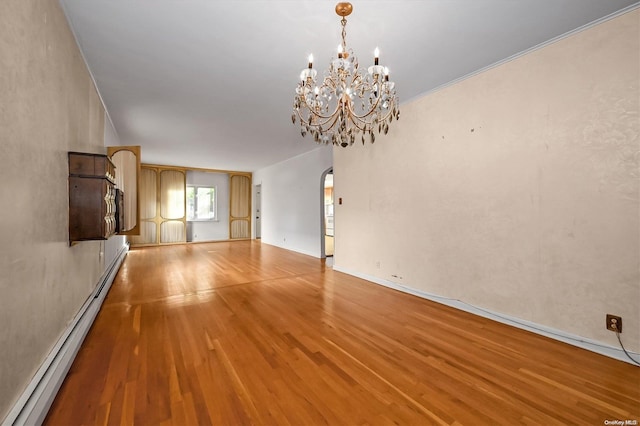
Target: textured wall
[[514, 190], [291, 201], [48, 106]]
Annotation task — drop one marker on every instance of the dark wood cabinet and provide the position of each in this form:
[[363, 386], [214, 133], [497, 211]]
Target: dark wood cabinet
[[92, 197]]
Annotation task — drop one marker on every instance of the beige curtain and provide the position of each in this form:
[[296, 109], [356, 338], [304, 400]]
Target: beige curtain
[[240, 206], [240, 196], [240, 229], [172, 231], [148, 198], [172, 196], [147, 233], [148, 201]]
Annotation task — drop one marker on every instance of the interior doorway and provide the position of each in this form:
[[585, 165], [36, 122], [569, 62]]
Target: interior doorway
[[258, 204], [327, 214]]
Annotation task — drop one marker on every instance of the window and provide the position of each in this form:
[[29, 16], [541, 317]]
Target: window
[[201, 203]]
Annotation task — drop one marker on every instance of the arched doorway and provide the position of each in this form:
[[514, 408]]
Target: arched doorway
[[326, 203]]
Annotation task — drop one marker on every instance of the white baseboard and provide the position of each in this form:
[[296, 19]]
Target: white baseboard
[[543, 330], [34, 403]]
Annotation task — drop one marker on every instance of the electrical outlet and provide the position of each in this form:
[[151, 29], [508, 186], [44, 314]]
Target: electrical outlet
[[614, 323]]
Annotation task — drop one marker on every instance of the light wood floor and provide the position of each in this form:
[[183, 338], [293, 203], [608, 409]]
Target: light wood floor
[[245, 333]]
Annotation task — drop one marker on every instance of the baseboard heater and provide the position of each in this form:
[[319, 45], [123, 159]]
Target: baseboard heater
[[34, 403]]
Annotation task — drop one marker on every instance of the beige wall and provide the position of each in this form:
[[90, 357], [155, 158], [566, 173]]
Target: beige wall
[[515, 190], [48, 106]]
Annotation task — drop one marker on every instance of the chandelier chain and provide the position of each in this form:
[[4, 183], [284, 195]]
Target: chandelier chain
[[344, 33]]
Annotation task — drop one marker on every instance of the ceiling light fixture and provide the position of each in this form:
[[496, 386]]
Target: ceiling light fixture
[[346, 104]]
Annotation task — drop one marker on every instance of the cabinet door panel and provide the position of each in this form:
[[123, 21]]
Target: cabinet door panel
[[240, 206], [148, 194], [91, 209], [172, 231], [172, 194]]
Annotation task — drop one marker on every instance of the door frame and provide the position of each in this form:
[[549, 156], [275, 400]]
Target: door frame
[[257, 197], [323, 230]]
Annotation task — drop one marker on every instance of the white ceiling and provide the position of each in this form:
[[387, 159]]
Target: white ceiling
[[210, 83]]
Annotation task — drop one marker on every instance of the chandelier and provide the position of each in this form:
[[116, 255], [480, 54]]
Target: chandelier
[[346, 105]]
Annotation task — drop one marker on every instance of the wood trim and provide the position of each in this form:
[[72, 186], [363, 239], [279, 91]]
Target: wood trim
[[199, 169], [135, 149], [246, 219], [158, 220]]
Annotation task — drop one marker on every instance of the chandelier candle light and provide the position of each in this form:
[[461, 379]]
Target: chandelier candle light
[[346, 104]]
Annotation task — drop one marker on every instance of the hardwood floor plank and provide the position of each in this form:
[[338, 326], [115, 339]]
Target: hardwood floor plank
[[243, 333], [129, 404]]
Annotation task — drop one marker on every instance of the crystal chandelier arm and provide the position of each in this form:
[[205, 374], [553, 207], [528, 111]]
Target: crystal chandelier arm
[[370, 111], [323, 125], [333, 117], [330, 83], [317, 114], [359, 124], [326, 118], [357, 119], [374, 109]]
